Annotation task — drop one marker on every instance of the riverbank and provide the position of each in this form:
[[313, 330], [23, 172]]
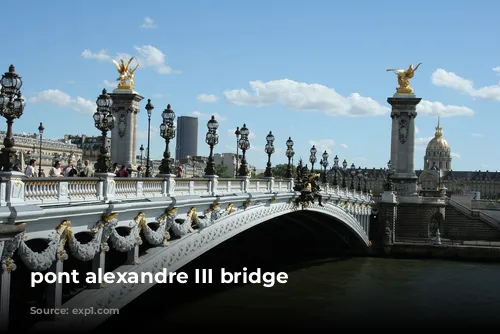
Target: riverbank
[[445, 252]]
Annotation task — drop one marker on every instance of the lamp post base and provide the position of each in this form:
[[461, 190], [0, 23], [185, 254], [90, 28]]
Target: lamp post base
[[8, 159]]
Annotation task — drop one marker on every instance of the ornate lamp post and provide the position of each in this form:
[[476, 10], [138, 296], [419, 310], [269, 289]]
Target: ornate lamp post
[[167, 132], [40, 132], [269, 151], [104, 121], [312, 157], [365, 179], [149, 108], [353, 174], [359, 174], [212, 139], [344, 174], [324, 163], [11, 107], [244, 145], [237, 133], [389, 172], [142, 150], [289, 154], [335, 170]]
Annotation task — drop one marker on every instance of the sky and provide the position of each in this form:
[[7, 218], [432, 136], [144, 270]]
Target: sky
[[311, 70]]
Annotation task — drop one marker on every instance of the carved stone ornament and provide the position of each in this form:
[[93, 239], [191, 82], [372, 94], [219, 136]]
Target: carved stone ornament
[[404, 127], [122, 124]]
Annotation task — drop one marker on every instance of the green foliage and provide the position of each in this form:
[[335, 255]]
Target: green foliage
[[279, 171], [221, 171]]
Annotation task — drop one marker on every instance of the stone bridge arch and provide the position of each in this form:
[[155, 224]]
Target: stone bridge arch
[[181, 251]]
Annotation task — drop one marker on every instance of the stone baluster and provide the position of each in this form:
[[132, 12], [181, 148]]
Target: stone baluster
[[139, 188], [289, 185], [9, 240], [11, 188], [245, 181], [269, 184], [62, 191], [212, 184], [109, 185]]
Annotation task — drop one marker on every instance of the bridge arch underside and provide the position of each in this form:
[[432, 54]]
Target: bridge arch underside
[[285, 243]]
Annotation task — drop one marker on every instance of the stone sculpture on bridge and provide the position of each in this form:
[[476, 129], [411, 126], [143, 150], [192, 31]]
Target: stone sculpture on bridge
[[310, 192]]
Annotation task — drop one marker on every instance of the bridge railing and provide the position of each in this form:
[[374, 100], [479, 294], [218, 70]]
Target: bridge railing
[[18, 189]]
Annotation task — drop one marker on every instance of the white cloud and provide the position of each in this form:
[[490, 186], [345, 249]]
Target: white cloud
[[251, 135], [109, 84], [208, 116], [207, 98], [61, 99], [455, 155], [417, 130], [304, 97], [476, 135], [148, 56], [148, 23], [344, 146], [322, 145], [428, 108], [443, 78], [421, 143], [154, 58], [497, 70], [101, 55]]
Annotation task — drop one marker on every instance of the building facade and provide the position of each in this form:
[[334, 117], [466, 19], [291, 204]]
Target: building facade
[[90, 145], [438, 173], [187, 137], [28, 147]]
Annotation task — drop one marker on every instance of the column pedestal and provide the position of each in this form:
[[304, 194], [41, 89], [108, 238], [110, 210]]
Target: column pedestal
[[403, 142], [124, 134]]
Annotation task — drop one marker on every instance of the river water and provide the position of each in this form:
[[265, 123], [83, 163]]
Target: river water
[[328, 292]]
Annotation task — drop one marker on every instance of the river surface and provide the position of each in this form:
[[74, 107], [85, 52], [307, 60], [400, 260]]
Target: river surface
[[359, 292]]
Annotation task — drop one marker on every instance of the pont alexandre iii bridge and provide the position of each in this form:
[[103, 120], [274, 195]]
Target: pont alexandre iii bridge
[[56, 219]]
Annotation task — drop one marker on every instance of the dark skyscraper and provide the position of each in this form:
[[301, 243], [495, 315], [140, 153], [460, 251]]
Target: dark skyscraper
[[187, 137]]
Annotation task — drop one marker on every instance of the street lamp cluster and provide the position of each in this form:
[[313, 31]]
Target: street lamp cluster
[[167, 132], [212, 139], [11, 107], [269, 149], [104, 121]]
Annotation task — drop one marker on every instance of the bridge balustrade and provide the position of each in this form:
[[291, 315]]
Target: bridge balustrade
[[54, 190]]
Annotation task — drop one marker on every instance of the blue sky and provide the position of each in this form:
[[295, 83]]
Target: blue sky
[[312, 70]]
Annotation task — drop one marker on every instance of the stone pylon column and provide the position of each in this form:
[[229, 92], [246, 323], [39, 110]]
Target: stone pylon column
[[124, 134], [403, 142]]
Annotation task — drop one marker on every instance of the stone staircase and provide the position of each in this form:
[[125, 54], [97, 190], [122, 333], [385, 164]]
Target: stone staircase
[[463, 223], [409, 223]]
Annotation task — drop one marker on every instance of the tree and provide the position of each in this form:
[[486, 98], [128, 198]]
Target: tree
[[221, 171], [279, 171]]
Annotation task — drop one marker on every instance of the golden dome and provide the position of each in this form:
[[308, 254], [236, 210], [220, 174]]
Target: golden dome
[[438, 143]]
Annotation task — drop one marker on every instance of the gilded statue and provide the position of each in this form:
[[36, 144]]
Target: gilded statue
[[126, 78], [404, 77]]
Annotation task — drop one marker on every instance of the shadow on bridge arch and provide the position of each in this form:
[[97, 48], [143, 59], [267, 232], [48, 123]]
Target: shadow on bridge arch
[[287, 242]]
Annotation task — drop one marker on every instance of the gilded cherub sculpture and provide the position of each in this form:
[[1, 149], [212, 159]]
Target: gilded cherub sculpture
[[126, 73], [404, 77]]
